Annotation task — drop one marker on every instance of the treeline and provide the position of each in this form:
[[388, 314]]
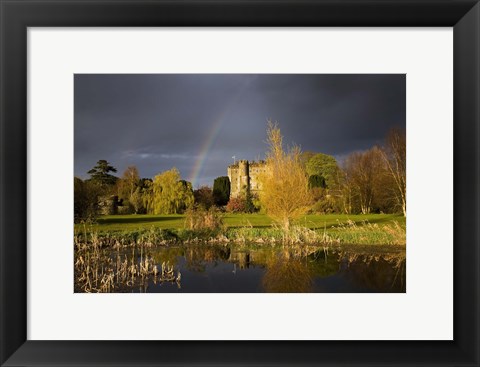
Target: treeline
[[105, 194], [371, 181]]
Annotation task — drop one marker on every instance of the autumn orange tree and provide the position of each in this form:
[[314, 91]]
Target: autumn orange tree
[[285, 194]]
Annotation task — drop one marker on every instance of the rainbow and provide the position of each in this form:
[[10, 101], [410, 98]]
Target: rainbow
[[215, 129], [206, 146]]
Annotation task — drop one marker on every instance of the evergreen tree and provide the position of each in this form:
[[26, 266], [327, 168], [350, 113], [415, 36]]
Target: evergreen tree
[[101, 173], [323, 165], [221, 190]]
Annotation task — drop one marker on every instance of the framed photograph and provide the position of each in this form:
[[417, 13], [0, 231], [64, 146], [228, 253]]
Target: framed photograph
[[201, 214], [241, 172]]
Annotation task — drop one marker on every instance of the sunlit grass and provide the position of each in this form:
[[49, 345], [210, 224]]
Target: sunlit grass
[[392, 233], [177, 221]]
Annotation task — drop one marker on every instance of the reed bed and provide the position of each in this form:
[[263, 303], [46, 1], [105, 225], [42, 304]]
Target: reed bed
[[99, 270]]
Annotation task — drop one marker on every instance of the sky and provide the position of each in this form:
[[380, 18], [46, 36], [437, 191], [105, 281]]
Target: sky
[[199, 122]]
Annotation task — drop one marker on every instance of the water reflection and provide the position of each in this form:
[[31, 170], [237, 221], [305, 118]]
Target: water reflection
[[287, 274], [253, 268], [382, 272]]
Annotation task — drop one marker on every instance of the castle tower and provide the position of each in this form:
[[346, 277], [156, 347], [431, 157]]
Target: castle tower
[[243, 175]]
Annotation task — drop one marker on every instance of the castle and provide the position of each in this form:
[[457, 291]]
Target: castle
[[243, 175]]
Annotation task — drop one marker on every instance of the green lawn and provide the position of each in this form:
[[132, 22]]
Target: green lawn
[[114, 223]]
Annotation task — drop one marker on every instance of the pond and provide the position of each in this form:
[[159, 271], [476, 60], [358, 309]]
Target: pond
[[250, 268]]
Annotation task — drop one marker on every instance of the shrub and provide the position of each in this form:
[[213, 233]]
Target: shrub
[[85, 200], [204, 197], [126, 208], [237, 205], [199, 218]]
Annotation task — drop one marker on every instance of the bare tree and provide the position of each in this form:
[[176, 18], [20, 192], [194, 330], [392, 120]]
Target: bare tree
[[129, 182], [395, 156], [285, 194], [364, 171], [344, 192]]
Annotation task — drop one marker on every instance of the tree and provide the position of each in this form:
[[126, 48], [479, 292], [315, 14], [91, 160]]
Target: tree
[[344, 192], [364, 171], [316, 181], [305, 157], [136, 200], [101, 173], [147, 195], [323, 165], [204, 197], [141, 197], [128, 183], [168, 194], [85, 200], [187, 199], [320, 196], [221, 190], [395, 155], [285, 194]]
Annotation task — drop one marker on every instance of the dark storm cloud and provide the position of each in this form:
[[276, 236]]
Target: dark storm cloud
[[196, 123]]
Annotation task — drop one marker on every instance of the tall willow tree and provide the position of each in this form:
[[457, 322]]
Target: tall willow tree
[[168, 194], [285, 194]]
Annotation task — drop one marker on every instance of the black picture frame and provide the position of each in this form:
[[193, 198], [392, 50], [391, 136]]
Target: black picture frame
[[17, 15]]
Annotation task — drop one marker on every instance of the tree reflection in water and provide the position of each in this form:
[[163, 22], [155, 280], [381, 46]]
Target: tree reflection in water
[[381, 272], [287, 273]]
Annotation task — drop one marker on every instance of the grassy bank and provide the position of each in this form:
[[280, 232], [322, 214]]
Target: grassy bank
[[176, 221], [125, 230]]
